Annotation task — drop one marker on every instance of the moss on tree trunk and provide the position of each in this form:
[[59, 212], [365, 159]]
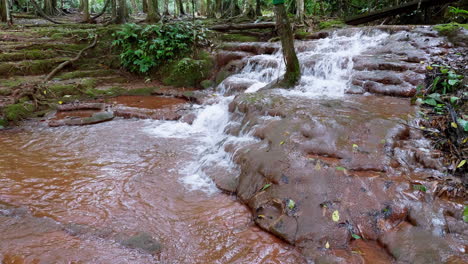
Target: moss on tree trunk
[[293, 71]]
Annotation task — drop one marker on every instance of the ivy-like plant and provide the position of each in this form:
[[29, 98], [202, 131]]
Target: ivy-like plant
[[145, 47]]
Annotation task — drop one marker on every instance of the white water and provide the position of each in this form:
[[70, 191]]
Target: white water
[[326, 69]]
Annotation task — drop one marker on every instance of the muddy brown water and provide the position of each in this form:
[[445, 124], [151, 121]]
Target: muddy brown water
[[113, 180]]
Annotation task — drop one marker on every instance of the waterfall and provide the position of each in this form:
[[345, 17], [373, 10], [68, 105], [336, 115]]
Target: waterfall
[[326, 66]]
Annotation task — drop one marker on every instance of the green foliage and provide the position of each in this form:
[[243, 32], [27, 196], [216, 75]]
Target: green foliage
[[145, 47], [447, 80], [465, 214], [16, 112], [450, 29], [458, 14], [331, 24]]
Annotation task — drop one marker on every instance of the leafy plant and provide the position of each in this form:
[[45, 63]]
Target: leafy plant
[[145, 47]]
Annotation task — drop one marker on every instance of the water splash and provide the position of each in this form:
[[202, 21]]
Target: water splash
[[326, 69]]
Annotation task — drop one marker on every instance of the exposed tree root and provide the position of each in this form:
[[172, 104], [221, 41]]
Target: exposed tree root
[[66, 63], [42, 14]]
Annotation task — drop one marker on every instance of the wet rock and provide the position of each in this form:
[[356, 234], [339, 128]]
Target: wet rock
[[143, 242], [172, 113], [81, 106], [355, 89], [96, 118], [252, 47], [410, 244], [225, 57], [327, 165], [393, 90]]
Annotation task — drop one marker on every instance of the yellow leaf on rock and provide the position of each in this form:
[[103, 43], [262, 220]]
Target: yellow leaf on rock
[[454, 125], [60, 102], [336, 216], [327, 245]]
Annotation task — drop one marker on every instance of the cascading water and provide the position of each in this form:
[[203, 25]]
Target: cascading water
[[326, 69]]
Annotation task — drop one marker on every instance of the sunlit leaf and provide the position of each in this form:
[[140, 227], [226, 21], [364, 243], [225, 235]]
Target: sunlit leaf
[[266, 186], [291, 204], [327, 245], [454, 125], [355, 236], [282, 142], [261, 216], [461, 164], [336, 216], [340, 168]]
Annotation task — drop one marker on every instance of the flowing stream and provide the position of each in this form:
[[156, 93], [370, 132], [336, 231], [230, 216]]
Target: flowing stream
[[73, 194]]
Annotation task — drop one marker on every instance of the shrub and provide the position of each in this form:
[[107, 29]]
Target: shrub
[[145, 47]]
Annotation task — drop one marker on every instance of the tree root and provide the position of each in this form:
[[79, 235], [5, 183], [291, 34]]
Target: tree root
[[66, 63], [42, 14]]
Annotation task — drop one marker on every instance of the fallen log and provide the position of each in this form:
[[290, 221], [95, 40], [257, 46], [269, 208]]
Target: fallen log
[[394, 10], [246, 26]]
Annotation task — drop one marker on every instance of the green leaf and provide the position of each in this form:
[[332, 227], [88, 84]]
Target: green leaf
[[266, 186], [356, 236], [340, 168], [282, 142], [463, 123], [336, 216], [453, 99], [430, 101], [291, 204], [463, 162], [419, 187], [452, 82]]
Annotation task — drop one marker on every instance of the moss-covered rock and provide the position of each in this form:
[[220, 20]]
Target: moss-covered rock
[[60, 90], [17, 112], [238, 38], [450, 29], [189, 72], [207, 84], [27, 55], [331, 24]]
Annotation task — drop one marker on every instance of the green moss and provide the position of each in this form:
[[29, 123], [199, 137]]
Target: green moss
[[89, 83], [34, 67], [11, 83], [111, 92], [450, 29], [331, 24], [141, 91], [189, 72], [17, 112], [238, 38], [83, 74], [26, 55], [207, 84], [5, 91], [60, 90], [300, 34], [3, 123]]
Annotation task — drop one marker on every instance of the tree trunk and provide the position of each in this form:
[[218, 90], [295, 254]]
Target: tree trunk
[[86, 17], [4, 11], [249, 8], [293, 71], [209, 8], [300, 11], [202, 5], [50, 7], [134, 6], [180, 7], [114, 9], [153, 12], [218, 9], [258, 8], [121, 12], [145, 7], [166, 8]]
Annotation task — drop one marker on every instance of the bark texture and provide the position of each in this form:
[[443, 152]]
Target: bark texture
[[293, 71]]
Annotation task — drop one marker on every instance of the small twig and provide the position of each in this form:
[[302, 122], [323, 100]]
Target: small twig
[[66, 63]]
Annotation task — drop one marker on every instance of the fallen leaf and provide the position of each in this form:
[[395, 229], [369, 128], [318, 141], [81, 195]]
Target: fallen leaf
[[282, 142], [463, 162], [266, 186], [340, 168], [327, 245], [317, 166], [60, 102], [454, 125], [355, 236], [260, 216], [291, 204], [336, 216]]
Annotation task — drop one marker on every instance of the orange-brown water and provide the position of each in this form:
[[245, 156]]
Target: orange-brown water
[[112, 180]]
